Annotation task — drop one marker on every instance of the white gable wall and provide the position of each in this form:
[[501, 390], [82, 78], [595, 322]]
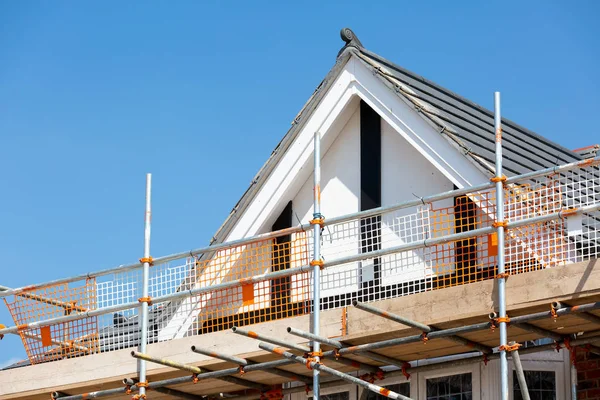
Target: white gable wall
[[340, 195], [405, 175], [289, 178]]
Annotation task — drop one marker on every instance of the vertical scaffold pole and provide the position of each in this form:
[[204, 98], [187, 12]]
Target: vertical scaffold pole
[[145, 299], [317, 262], [500, 224]]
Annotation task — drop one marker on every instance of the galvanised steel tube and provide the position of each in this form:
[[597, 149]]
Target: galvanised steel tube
[[391, 316], [338, 345], [304, 349], [219, 355], [349, 378], [278, 342], [520, 374], [587, 316], [222, 374], [317, 261], [145, 278], [93, 395], [244, 362], [413, 324], [466, 329], [501, 261]]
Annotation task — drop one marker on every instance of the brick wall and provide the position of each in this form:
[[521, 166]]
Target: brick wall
[[588, 375]]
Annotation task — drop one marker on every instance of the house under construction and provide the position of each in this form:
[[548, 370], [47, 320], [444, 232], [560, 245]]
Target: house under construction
[[401, 241]]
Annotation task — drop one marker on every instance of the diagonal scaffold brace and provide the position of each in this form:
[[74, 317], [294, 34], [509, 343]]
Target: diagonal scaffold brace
[[313, 364]]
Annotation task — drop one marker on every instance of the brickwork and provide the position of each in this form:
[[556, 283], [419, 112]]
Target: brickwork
[[588, 375]]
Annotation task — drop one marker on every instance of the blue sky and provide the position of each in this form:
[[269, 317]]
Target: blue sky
[[95, 94]]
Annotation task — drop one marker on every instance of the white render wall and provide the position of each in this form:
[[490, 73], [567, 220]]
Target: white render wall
[[405, 174], [340, 195]]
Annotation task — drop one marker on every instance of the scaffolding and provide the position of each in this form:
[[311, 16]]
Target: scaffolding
[[512, 225]]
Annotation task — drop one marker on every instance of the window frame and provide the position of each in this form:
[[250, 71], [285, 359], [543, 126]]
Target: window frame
[[394, 381], [473, 369], [350, 388], [530, 365]]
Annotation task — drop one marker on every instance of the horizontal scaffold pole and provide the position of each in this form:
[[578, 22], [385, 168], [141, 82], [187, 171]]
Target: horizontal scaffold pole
[[199, 372], [417, 325], [242, 362], [304, 349], [339, 345]]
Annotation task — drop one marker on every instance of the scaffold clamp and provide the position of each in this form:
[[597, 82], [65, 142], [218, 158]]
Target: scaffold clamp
[[318, 220], [404, 371], [498, 224], [146, 299], [273, 394], [553, 313], [319, 263], [497, 179], [2, 327], [148, 260], [509, 348], [424, 337], [497, 321]]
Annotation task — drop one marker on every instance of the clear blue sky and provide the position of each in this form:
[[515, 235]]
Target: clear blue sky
[[95, 94]]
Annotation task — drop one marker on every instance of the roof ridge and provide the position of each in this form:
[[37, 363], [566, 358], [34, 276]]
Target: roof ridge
[[352, 40]]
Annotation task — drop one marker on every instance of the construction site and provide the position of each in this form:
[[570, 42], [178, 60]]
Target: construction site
[[401, 242]]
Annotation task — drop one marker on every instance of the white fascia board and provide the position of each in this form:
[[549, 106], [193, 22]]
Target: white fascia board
[[296, 157], [414, 128]]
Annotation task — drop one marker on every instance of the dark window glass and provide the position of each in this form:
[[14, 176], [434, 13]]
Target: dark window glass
[[541, 385], [453, 387], [334, 396], [400, 388]]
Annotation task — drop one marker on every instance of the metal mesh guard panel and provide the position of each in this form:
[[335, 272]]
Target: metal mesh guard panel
[[64, 340]]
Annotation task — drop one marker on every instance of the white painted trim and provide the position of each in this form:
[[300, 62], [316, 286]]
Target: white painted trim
[[355, 80], [350, 388], [558, 367], [394, 381]]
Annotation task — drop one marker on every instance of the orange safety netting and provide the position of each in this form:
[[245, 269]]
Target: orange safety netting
[[253, 302], [527, 248], [58, 341]]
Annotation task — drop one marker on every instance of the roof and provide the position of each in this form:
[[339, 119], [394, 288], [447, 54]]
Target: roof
[[467, 125], [588, 151]]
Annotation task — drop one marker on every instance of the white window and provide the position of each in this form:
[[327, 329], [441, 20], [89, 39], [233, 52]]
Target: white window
[[342, 392], [545, 380], [398, 385], [462, 383]]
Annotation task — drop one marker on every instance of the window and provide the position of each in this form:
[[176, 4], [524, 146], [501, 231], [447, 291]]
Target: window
[[541, 385], [453, 387], [400, 388], [334, 396]]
